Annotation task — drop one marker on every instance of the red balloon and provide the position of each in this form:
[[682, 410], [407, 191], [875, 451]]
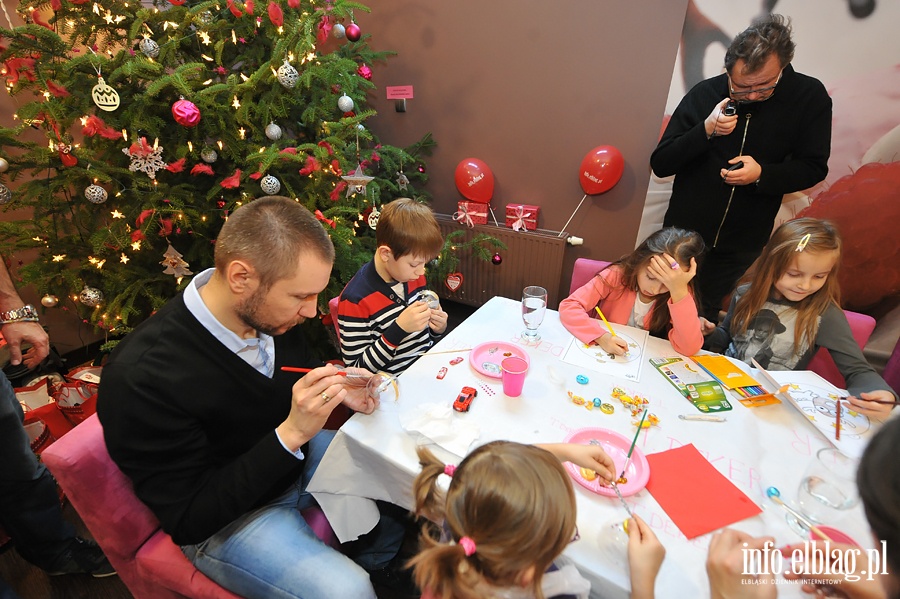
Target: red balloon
[[601, 169], [475, 180]]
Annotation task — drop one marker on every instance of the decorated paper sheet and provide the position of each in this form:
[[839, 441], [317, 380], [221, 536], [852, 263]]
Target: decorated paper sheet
[[595, 358], [816, 399]]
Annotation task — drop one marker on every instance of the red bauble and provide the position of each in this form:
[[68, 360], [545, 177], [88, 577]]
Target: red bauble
[[353, 32], [186, 113], [497, 259]]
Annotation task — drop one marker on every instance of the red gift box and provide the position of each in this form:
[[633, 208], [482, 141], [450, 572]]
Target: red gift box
[[522, 217], [471, 213]]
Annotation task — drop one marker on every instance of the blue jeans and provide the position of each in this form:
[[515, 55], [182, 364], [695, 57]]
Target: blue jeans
[[272, 552], [29, 506]]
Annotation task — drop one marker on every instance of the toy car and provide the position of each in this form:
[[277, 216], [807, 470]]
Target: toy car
[[464, 399], [442, 372]]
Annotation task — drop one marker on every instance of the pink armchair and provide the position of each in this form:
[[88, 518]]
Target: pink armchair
[[147, 560], [584, 269]]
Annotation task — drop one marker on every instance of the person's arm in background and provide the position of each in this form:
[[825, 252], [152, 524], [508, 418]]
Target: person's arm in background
[[16, 333]]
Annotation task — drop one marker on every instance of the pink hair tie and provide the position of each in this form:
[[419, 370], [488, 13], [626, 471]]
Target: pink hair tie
[[449, 470], [468, 545]]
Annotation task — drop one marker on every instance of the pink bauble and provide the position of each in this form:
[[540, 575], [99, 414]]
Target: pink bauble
[[353, 32], [186, 113]]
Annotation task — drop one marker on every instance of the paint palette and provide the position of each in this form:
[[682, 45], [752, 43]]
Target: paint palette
[[616, 445], [486, 358]]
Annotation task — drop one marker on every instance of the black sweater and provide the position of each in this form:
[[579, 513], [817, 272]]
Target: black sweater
[[193, 425], [789, 135]]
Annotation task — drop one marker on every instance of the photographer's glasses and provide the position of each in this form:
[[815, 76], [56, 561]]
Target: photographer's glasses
[[742, 94]]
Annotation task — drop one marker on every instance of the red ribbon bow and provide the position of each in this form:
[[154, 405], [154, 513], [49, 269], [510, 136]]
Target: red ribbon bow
[[327, 221]]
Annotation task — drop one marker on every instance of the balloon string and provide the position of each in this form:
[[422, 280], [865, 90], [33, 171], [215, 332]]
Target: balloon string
[[563, 230], [494, 216]]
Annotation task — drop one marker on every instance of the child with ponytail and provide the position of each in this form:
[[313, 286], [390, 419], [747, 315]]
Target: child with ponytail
[[506, 518]]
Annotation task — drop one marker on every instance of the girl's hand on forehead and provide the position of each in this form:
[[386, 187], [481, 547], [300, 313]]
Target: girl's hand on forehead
[[670, 273]]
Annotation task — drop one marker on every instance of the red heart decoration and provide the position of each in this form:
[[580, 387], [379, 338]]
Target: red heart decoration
[[454, 281]]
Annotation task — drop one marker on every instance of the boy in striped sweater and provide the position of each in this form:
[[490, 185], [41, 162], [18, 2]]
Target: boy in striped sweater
[[383, 324]]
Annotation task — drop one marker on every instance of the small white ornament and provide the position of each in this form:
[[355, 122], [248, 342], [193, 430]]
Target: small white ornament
[[208, 155], [359, 127], [147, 159], [5, 194], [149, 47], [356, 181], [175, 264], [345, 103], [402, 180], [4, 165], [90, 297], [95, 194], [270, 185], [338, 31], [49, 301], [206, 18], [287, 75], [373, 218], [105, 97], [273, 131]]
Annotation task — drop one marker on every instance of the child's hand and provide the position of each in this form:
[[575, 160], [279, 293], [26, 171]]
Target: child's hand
[[667, 271], [706, 327], [414, 317], [645, 556], [613, 344], [869, 408], [590, 456], [725, 566], [438, 321]]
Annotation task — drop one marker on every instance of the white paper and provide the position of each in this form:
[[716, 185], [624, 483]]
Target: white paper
[[443, 426], [594, 358]]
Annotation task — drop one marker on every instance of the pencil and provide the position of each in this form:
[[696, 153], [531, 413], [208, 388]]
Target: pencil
[[837, 424], [296, 369], [606, 322], [886, 402]]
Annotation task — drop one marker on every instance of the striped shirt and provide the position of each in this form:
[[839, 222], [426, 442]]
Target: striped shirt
[[367, 318]]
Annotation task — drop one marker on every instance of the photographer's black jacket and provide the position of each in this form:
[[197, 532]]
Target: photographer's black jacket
[[789, 135]]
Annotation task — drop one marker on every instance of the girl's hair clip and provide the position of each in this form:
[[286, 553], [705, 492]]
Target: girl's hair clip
[[802, 245], [449, 469]]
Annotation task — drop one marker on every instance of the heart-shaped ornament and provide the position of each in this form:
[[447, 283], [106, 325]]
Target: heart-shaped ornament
[[454, 281]]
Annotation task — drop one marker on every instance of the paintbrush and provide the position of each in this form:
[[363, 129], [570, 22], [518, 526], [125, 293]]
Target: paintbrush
[[633, 442], [775, 495]]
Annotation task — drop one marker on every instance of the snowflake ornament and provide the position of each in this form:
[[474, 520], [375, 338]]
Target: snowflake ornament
[[175, 265], [145, 158]]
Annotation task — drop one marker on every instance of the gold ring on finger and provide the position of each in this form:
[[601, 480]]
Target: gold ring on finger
[[325, 397]]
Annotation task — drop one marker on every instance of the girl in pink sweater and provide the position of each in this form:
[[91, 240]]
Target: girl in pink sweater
[[650, 288]]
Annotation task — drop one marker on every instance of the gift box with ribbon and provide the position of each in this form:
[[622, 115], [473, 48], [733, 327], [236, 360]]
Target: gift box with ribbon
[[471, 213], [522, 217]]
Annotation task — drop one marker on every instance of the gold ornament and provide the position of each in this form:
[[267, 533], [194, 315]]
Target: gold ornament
[[105, 97]]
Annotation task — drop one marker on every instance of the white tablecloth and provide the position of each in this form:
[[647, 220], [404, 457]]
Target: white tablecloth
[[372, 457]]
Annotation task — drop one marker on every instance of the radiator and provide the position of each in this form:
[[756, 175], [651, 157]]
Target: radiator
[[531, 258]]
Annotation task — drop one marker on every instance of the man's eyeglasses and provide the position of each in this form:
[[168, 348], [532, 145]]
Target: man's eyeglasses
[[741, 93]]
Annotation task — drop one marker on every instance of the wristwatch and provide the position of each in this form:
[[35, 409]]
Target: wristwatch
[[26, 313]]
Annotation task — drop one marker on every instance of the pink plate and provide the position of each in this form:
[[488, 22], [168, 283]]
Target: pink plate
[[486, 358], [616, 446]]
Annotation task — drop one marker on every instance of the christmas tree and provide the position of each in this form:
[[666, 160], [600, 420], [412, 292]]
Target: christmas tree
[[161, 119]]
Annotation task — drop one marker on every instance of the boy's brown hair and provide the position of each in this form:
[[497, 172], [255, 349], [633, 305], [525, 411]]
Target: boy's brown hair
[[407, 227]]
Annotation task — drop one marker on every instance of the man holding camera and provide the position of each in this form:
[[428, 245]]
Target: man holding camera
[[736, 144]]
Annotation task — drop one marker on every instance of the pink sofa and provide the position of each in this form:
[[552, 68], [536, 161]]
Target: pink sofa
[[147, 560], [861, 325]]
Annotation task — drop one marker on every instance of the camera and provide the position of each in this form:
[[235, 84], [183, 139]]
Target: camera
[[730, 108]]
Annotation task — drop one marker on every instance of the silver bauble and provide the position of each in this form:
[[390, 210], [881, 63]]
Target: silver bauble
[[206, 18], [95, 194], [5, 194], [90, 297], [4, 165], [287, 75], [208, 155], [49, 301], [270, 185], [345, 103], [359, 127], [273, 131], [338, 31], [149, 47]]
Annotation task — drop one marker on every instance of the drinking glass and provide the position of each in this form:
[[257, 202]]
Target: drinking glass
[[827, 489], [534, 305]]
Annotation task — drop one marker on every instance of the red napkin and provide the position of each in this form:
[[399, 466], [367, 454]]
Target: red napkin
[[694, 494]]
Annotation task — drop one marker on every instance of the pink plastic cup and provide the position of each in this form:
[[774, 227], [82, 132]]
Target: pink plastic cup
[[513, 371]]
